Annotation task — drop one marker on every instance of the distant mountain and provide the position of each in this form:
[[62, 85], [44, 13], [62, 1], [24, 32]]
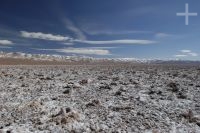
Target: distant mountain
[[44, 57]]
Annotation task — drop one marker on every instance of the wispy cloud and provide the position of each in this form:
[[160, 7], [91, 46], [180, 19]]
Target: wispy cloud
[[180, 55], [5, 47], [112, 32], [68, 43], [162, 35], [193, 54], [189, 52], [116, 42], [71, 26], [186, 53], [71, 41], [94, 27], [44, 36], [6, 42], [103, 47], [84, 51]]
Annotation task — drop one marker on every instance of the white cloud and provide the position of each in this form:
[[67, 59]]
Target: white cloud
[[189, 52], [162, 35], [6, 42], [180, 55], [68, 43], [43, 36], [116, 42], [110, 32], [185, 51], [193, 54], [103, 47], [84, 51], [71, 26], [71, 41]]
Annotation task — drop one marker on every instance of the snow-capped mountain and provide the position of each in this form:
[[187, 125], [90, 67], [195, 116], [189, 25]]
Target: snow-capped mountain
[[45, 57]]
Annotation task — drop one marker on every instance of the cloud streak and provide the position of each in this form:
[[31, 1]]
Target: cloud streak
[[186, 53], [44, 36], [162, 35], [189, 52], [84, 51], [193, 54], [116, 42], [71, 41], [180, 55], [71, 26], [5, 47], [107, 32], [6, 42]]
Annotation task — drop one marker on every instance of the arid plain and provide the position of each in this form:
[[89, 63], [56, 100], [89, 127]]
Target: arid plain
[[101, 97]]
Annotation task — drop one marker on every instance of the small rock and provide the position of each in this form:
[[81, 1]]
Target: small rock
[[140, 113], [133, 82], [115, 78], [93, 103], [113, 84], [173, 86], [159, 92], [189, 116], [151, 92], [68, 110], [102, 78], [191, 84], [123, 89], [66, 91], [118, 93], [198, 86], [63, 120], [105, 87], [181, 95], [198, 123], [21, 77], [8, 131], [83, 82], [24, 85], [54, 98], [48, 78], [67, 86]]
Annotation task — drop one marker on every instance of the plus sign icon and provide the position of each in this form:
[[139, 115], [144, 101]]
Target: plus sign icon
[[186, 14]]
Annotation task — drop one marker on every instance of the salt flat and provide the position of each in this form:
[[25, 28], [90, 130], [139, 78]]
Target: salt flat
[[100, 98]]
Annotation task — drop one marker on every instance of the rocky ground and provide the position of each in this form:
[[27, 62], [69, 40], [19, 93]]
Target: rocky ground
[[113, 99]]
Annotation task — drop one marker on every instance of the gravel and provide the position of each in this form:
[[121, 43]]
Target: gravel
[[92, 98]]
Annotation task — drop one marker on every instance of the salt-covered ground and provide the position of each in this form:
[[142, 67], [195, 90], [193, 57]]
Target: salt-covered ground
[[117, 99]]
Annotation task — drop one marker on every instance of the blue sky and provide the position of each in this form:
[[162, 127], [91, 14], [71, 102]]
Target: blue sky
[[101, 28]]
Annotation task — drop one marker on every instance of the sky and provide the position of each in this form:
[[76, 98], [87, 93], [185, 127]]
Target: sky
[[143, 29]]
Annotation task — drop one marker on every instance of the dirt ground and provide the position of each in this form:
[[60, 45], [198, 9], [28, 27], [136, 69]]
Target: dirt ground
[[113, 98]]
